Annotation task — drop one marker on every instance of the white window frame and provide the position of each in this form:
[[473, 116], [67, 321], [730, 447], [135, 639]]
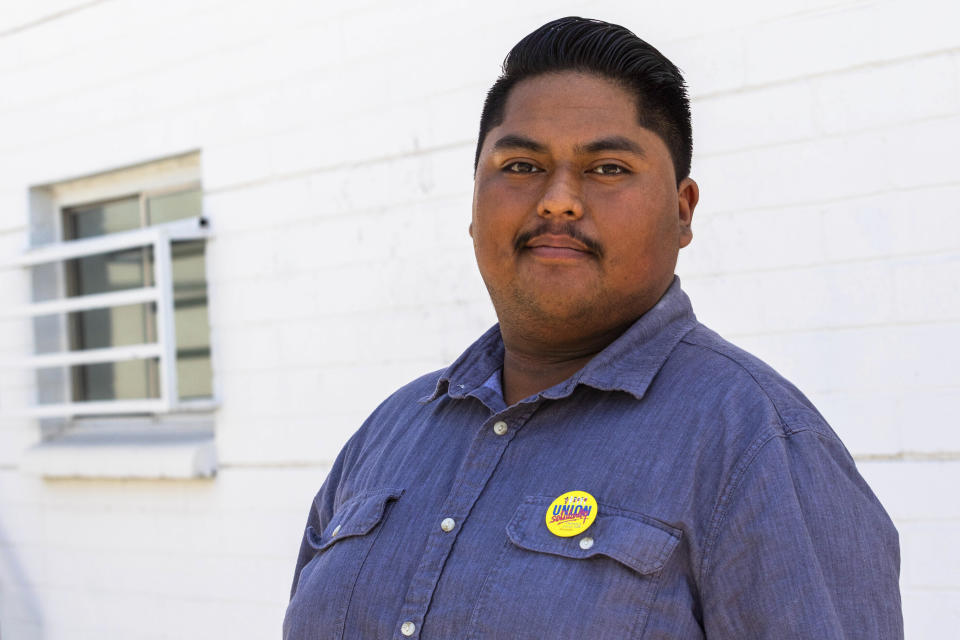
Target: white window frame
[[160, 238], [160, 176]]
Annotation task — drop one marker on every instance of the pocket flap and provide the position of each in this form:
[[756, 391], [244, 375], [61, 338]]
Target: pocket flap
[[633, 539], [355, 517]]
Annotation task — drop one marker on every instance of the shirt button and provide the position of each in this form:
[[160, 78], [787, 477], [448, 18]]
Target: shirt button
[[500, 428], [586, 542], [408, 628], [448, 524], [335, 531]]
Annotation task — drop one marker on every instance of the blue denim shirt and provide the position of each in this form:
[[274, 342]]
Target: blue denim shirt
[[727, 507]]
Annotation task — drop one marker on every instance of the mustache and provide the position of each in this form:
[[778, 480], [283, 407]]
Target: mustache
[[561, 229]]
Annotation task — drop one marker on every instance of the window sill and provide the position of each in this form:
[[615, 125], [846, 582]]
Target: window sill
[[126, 449]]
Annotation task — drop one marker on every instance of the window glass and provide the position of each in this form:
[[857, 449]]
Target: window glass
[[194, 373], [128, 380], [137, 324], [168, 207], [97, 219]]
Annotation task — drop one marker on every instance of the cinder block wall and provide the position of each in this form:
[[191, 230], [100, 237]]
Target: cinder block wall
[[337, 146], [828, 243]]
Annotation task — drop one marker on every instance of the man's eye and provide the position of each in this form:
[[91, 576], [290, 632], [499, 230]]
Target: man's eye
[[520, 167], [608, 170]]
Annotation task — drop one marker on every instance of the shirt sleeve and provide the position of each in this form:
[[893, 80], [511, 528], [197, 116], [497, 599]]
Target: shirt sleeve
[[801, 548], [321, 511]]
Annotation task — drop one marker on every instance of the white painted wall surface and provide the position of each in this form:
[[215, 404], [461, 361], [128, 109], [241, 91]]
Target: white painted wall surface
[[337, 144]]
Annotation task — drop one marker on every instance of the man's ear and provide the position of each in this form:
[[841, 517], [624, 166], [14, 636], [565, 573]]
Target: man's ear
[[688, 194], [470, 229]]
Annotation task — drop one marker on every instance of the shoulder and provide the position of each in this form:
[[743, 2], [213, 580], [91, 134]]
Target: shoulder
[[738, 379], [414, 392]]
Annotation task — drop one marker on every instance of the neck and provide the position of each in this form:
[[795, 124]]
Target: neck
[[532, 364]]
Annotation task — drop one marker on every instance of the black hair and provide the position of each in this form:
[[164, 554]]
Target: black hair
[[611, 51]]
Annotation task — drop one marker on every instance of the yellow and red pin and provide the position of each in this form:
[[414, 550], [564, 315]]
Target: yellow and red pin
[[571, 513]]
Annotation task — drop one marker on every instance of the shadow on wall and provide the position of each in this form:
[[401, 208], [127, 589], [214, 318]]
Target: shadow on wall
[[21, 617]]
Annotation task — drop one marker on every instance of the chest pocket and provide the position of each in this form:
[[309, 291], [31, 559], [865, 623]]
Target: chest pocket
[[598, 584], [355, 517], [326, 582]]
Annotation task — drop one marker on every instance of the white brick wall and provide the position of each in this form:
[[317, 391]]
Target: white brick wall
[[337, 149], [151, 559]]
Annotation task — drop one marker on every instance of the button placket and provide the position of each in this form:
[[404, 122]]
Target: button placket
[[479, 464]]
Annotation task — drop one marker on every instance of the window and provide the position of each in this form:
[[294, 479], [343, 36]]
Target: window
[[120, 296]]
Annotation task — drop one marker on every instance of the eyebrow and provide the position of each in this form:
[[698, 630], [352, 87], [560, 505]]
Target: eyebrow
[[612, 143], [513, 141]]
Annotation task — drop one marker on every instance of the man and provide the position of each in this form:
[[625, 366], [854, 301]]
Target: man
[[599, 464]]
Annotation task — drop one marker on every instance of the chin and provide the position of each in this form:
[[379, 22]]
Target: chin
[[550, 310]]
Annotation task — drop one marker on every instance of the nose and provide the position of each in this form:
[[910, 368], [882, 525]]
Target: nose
[[561, 195]]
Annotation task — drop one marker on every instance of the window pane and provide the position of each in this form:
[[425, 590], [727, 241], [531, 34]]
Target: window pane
[[194, 373], [104, 217], [103, 273], [107, 272], [137, 324], [174, 206], [113, 327], [128, 380]]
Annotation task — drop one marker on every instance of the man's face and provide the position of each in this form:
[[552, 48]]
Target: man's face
[[577, 217]]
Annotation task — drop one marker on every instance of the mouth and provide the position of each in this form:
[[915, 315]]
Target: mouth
[[558, 247]]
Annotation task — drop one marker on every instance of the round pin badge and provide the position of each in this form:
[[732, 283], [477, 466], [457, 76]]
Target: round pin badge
[[571, 513]]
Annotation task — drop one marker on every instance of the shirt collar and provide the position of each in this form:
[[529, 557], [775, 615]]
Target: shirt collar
[[628, 364]]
